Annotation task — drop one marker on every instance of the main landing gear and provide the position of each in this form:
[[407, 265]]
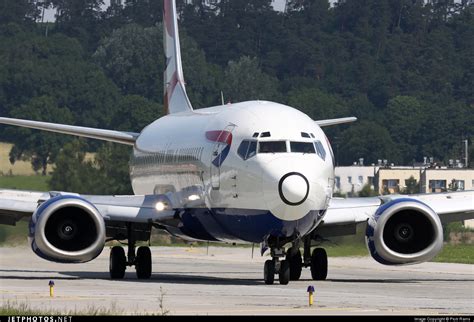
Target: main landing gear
[[119, 263], [290, 268], [141, 260]]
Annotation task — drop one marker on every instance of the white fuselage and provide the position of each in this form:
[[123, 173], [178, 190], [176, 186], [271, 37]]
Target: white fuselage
[[195, 157]]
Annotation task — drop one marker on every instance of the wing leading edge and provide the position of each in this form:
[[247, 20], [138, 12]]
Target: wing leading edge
[[16, 205], [325, 123], [126, 138]]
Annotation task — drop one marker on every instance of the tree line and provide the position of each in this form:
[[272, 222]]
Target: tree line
[[405, 68]]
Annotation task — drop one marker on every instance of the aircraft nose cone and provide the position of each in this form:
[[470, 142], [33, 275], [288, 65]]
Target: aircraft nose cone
[[293, 189]]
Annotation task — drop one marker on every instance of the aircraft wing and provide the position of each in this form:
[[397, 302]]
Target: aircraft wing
[[343, 215], [16, 205], [127, 138], [325, 123]]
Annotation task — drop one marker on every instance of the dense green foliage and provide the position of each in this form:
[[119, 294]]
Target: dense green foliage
[[35, 183], [405, 68]]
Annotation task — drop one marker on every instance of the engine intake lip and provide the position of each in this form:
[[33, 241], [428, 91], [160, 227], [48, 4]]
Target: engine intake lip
[[399, 256], [94, 244]]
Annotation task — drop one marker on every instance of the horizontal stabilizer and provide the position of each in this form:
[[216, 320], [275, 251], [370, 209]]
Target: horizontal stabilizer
[[324, 123], [126, 138]]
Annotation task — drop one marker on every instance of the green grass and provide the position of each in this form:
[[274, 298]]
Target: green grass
[[352, 250], [14, 235], [12, 309], [347, 246], [17, 235], [36, 183], [463, 254], [15, 308]]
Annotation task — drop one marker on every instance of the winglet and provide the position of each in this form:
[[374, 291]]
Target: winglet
[[175, 98], [324, 123]]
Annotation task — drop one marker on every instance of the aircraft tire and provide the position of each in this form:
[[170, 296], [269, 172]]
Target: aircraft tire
[[117, 263], [143, 264], [319, 264], [269, 272], [296, 266], [284, 274]]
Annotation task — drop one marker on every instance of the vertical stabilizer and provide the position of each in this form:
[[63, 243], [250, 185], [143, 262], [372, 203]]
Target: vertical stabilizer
[[175, 98]]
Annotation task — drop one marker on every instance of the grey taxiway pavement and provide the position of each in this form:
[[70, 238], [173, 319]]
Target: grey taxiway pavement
[[190, 281]]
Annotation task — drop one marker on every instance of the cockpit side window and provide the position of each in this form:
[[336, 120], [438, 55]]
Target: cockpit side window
[[252, 149], [302, 147], [320, 150], [272, 147], [247, 149]]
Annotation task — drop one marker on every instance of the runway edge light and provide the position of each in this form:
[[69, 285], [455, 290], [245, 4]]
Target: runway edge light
[[51, 288], [311, 295]]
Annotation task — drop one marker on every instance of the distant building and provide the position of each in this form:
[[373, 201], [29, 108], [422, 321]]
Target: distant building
[[440, 180], [394, 179], [352, 179]]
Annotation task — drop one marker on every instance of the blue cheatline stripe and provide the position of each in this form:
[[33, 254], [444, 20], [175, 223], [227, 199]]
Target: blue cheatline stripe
[[221, 157], [242, 224]]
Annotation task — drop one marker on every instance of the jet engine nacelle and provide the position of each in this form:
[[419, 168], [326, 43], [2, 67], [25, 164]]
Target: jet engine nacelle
[[67, 229], [404, 231]]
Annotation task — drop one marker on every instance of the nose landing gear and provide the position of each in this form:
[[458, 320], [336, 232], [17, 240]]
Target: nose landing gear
[[275, 266]]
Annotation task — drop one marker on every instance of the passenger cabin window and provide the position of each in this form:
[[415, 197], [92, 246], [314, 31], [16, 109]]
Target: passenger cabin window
[[272, 147], [338, 182], [247, 149], [320, 149], [302, 147]]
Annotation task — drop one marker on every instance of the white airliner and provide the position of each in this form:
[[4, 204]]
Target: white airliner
[[252, 172]]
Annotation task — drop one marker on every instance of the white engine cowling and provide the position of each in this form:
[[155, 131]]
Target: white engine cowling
[[67, 229], [404, 231]]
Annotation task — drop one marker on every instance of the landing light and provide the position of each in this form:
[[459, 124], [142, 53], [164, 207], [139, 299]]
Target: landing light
[[194, 198], [160, 206]]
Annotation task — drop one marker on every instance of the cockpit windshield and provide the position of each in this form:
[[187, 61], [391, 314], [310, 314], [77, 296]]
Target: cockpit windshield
[[302, 147], [272, 147], [250, 148]]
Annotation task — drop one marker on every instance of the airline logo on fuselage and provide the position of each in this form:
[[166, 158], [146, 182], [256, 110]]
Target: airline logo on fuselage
[[223, 137]]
